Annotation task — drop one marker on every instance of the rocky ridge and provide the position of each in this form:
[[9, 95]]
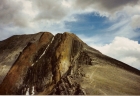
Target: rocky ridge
[[62, 64]]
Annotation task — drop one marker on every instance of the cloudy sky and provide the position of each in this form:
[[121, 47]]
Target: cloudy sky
[[111, 26]]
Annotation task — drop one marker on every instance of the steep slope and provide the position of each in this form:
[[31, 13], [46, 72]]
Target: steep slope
[[11, 48], [62, 64]]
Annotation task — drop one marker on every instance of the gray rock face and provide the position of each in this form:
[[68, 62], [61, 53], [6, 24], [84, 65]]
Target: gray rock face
[[11, 48], [61, 65]]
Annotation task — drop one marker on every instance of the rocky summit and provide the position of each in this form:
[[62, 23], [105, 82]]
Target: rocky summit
[[44, 64]]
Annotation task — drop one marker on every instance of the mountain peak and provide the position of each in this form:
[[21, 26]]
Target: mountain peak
[[62, 64]]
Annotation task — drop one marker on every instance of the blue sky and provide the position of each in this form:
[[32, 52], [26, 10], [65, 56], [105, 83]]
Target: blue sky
[[110, 26], [91, 23]]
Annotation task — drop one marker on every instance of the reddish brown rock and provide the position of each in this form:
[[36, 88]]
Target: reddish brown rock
[[62, 65]]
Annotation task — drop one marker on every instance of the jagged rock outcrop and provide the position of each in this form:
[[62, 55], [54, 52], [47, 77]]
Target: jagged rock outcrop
[[62, 64]]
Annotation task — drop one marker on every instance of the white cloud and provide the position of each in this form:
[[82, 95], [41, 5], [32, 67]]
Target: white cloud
[[18, 17], [135, 21], [11, 13], [50, 9], [123, 49], [22, 13], [127, 10], [121, 28], [108, 6], [29, 12], [67, 3], [117, 25], [132, 13], [120, 48]]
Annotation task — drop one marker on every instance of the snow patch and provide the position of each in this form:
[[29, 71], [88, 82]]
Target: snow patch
[[44, 51], [33, 90], [52, 39], [27, 92], [32, 64], [46, 48]]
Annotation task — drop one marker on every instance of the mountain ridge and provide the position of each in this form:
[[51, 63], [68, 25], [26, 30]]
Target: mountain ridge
[[50, 64]]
